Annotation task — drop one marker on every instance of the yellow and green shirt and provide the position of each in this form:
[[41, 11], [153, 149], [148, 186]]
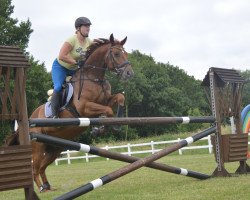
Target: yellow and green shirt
[[78, 51]]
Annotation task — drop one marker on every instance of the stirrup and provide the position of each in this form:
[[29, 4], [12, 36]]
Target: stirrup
[[55, 117]]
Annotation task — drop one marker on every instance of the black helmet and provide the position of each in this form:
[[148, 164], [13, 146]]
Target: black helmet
[[82, 21]]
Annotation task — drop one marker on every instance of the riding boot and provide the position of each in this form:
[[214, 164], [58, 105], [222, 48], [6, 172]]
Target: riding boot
[[55, 103]]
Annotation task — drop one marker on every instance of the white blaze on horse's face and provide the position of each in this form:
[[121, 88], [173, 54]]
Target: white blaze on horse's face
[[126, 72]]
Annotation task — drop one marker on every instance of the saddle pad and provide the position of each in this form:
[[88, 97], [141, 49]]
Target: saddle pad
[[48, 112]]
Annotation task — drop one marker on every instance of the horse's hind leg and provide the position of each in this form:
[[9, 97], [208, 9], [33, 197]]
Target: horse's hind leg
[[94, 109], [37, 153], [48, 158], [36, 177]]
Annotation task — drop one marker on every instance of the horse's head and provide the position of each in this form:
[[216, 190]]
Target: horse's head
[[116, 59]]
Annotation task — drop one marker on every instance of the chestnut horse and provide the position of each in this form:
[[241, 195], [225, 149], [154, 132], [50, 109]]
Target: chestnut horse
[[92, 98]]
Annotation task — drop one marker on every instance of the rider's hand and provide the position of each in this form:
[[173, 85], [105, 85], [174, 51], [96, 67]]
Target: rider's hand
[[79, 63]]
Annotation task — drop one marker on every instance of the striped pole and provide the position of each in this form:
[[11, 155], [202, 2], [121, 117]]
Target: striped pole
[[133, 166], [113, 155], [48, 122]]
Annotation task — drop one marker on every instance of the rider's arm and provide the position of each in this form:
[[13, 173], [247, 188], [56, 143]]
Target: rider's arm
[[64, 54]]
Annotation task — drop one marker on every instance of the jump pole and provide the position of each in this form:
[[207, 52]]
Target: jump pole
[[38, 122], [113, 155], [133, 166]]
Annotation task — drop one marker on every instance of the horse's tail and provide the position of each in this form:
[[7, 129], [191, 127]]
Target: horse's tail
[[12, 139]]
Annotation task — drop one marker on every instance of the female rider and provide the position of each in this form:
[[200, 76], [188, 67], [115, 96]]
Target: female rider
[[71, 53]]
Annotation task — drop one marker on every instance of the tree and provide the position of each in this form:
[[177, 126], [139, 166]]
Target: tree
[[37, 84], [12, 32], [246, 89], [159, 89]]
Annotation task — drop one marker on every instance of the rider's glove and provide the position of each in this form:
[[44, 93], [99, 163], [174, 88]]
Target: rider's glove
[[79, 63]]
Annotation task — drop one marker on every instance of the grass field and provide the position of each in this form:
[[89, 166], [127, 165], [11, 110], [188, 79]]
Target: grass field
[[145, 183]]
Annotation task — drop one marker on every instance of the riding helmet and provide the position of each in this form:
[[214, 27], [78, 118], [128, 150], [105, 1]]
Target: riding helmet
[[82, 21]]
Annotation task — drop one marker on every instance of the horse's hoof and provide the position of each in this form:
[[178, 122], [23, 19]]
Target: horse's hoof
[[48, 190], [94, 132], [43, 190], [97, 131], [46, 187]]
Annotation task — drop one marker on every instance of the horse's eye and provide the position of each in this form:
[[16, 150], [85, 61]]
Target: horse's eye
[[117, 54]]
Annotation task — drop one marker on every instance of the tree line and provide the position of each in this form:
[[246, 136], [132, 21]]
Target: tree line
[[157, 89]]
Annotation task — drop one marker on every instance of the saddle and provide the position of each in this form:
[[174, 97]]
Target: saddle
[[67, 93]]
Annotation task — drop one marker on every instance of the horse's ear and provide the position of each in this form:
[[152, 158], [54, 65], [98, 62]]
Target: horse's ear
[[111, 39], [123, 41]]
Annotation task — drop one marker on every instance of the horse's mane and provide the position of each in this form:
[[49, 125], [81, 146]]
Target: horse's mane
[[95, 45]]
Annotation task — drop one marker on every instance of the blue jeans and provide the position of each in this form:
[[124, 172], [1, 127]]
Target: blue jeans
[[59, 73]]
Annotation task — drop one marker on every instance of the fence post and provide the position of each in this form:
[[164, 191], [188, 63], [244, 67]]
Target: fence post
[[56, 162], [68, 157], [152, 147], [129, 149], [87, 157], [233, 128], [180, 151], [107, 148], [210, 146]]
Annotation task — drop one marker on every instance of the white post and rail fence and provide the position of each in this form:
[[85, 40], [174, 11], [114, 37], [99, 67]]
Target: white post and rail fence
[[152, 148], [131, 149]]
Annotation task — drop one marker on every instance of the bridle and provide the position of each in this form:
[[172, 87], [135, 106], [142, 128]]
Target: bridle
[[116, 67]]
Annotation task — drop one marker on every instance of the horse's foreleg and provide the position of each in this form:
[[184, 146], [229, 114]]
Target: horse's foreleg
[[118, 99], [93, 109]]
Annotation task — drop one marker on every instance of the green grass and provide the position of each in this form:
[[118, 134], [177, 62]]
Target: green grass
[[145, 183]]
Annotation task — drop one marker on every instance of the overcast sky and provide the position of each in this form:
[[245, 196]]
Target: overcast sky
[[191, 34]]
